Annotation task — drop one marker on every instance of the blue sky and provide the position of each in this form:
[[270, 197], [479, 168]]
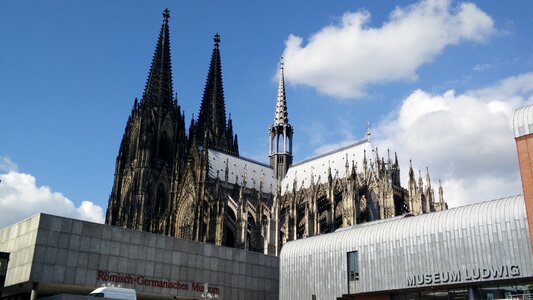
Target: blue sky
[[437, 81]]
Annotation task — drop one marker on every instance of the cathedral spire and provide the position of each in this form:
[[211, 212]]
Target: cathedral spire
[[154, 142], [281, 116], [212, 116], [158, 87], [280, 145]]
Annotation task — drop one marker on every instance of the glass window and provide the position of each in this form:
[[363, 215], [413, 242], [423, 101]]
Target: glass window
[[397, 297], [458, 294], [4, 258], [353, 266], [507, 291], [526, 291], [434, 295], [98, 295], [490, 293]]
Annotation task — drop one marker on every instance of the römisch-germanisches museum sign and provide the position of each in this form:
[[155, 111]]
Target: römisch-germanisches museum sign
[[140, 280]]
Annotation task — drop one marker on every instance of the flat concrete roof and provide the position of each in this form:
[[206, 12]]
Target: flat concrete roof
[[62, 255]]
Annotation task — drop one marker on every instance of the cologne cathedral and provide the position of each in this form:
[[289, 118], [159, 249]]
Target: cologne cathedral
[[192, 182]]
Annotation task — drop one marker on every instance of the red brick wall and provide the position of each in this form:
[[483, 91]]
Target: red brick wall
[[524, 146]]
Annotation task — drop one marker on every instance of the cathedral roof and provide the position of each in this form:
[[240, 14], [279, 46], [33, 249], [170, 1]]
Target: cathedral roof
[[241, 169], [316, 169]]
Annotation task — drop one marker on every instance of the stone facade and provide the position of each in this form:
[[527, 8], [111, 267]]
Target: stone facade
[[193, 184], [53, 255]]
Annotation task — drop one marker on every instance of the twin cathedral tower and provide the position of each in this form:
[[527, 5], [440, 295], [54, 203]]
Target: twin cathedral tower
[[192, 183]]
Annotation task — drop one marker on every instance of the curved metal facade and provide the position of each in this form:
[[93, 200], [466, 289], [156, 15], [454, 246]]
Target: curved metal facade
[[523, 121], [483, 237]]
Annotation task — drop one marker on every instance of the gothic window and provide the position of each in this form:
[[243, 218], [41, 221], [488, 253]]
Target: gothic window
[[400, 207], [282, 238], [324, 226], [232, 217], [323, 207], [186, 220], [302, 222], [186, 231], [338, 209], [160, 200], [164, 150], [251, 220], [203, 229], [250, 234], [229, 238], [229, 229]]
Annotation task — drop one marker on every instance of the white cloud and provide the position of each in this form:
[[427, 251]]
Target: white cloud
[[342, 59], [20, 197], [7, 165], [466, 139]]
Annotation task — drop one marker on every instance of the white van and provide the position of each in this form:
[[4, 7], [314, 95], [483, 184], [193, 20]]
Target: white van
[[115, 293]]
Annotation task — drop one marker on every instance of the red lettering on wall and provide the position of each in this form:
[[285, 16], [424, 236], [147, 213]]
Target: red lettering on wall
[[100, 275], [197, 287], [141, 280]]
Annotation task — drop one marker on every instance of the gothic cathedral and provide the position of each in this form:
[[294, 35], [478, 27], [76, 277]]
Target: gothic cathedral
[[193, 183]]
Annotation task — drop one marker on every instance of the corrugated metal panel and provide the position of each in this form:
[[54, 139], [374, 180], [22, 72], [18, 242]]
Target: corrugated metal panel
[[523, 121], [483, 235]]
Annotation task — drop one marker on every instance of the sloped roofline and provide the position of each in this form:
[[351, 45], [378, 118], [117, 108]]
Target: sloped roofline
[[241, 157], [330, 152]]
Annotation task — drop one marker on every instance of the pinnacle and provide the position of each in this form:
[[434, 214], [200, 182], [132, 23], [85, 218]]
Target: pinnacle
[[281, 116], [216, 39], [159, 83], [212, 116]]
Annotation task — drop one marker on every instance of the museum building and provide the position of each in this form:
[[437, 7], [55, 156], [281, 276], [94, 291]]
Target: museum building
[[478, 251], [48, 255]]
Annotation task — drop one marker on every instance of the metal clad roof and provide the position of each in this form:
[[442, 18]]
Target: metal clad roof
[[318, 166], [489, 234], [239, 167], [523, 121]]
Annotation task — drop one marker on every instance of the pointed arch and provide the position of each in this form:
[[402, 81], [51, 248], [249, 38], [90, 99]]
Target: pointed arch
[[230, 224], [185, 218], [323, 206], [339, 207]]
